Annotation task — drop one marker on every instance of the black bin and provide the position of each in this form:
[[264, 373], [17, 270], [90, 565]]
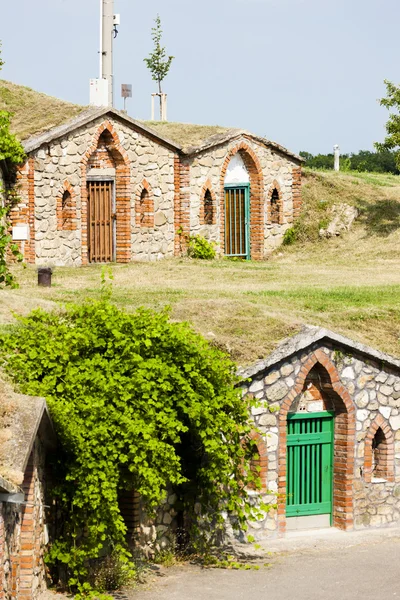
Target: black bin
[[44, 276]]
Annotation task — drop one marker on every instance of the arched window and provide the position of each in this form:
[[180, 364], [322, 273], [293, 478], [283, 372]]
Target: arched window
[[144, 201], [275, 207], [145, 206], [379, 452], [208, 208], [66, 210]]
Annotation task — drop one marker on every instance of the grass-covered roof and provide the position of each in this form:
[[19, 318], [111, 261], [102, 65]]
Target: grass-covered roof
[[34, 112]]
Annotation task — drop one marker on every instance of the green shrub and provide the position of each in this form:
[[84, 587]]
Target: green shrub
[[139, 402], [199, 247], [289, 237]]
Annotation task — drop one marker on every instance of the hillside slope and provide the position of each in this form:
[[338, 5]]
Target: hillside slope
[[350, 284]]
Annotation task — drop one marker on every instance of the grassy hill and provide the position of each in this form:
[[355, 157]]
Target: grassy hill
[[350, 284]]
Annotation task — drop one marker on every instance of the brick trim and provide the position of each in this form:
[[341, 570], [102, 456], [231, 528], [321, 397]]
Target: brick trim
[[182, 206], [123, 194], [275, 186], [24, 211], [213, 208], [2, 534], [66, 212], [262, 461], [144, 208], [254, 168], [345, 429], [296, 192], [387, 471]]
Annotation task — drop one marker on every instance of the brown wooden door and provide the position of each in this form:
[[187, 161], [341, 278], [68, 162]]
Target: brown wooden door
[[100, 221]]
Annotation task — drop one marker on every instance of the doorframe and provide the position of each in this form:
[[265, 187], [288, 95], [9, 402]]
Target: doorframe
[[328, 415], [247, 216], [104, 179]]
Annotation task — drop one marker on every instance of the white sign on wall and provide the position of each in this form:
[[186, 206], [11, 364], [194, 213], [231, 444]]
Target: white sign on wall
[[20, 233]]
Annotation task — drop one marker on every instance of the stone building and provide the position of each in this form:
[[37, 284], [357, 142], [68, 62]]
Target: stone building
[[26, 436], [103, 187], [328, 434]]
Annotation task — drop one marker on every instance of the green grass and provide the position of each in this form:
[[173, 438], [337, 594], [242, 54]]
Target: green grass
[[350, 284]]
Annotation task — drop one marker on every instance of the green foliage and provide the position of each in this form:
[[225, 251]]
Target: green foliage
[[10, 148], [199, 247], [383, 161], [392, 101], [7, 279], [158, 62], [13, 154], [139, 403], [289, 237]]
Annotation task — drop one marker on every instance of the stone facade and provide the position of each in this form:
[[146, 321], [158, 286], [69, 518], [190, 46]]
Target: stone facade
[[23, 535], [67, 163], [362, 388], [162, 193], [269, 169]]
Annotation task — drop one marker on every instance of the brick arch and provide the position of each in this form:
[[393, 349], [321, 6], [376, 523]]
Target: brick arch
[[144, 211], [344, 439], [208, 187], [254, 168], [262, 461], [275, 186], [387, 451], [66, 212], [122, 195]]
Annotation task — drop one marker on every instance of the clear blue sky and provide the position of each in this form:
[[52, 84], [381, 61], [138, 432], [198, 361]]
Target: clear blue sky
[[306, 73]]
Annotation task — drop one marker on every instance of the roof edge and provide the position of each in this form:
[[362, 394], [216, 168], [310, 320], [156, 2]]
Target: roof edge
[[305, 338], [236, 133], [34, 142]]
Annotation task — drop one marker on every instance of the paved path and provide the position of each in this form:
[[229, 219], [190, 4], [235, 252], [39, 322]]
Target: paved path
[[368, 571]]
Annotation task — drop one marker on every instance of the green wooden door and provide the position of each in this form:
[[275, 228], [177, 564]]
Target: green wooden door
[[309, 464], [237, 221]]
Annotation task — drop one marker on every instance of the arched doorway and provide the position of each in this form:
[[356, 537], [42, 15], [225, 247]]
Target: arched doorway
[[106, 221], [237, 209], [242, 214], [316, 431]]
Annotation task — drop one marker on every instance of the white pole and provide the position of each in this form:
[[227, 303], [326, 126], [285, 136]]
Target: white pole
[[336, 153], [101, 42], [107, 48]]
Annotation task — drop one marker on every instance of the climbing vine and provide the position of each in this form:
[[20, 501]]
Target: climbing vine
[[11, 155], [139, 402]]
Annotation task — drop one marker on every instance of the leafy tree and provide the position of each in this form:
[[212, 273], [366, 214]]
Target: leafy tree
[[383, 161], [11, 155], [392, 101], [139, 403], [158, 62]]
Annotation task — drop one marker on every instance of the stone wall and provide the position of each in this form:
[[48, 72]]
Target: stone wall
[[61, 165], [274, 170], [23, 536], [316, 380]]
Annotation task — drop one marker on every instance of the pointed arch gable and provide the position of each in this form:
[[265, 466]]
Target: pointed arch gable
[[208, 214], [122, 193], [144, 205], [254, 168], [275, 214], [345, 429], [386, 470]]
